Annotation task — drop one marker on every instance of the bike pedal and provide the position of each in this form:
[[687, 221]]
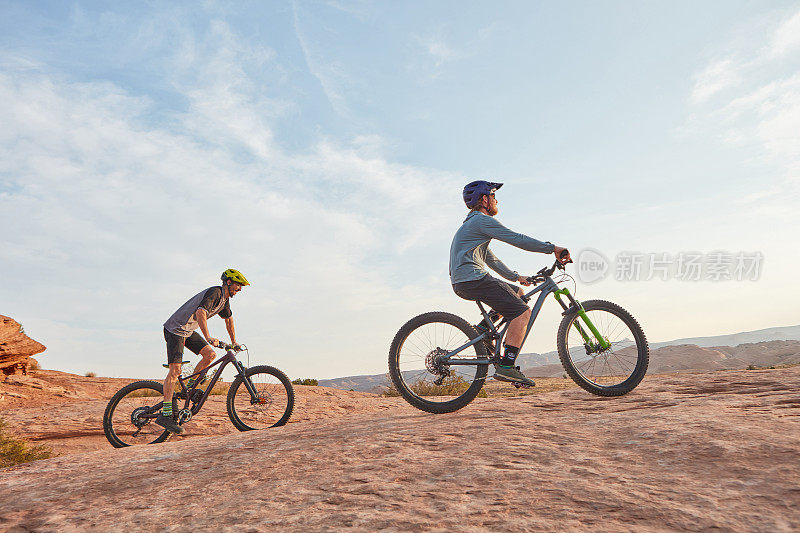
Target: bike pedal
[[519, 385]]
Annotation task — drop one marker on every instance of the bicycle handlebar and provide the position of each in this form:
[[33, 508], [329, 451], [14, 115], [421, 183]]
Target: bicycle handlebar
[[235, 348], [559, 264]]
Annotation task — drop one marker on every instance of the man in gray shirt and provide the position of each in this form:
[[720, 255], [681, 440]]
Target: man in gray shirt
[[469, 257], [179, 331]]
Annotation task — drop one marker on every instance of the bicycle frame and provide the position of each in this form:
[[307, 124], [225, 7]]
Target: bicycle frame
[[229, 357], [547, 287]]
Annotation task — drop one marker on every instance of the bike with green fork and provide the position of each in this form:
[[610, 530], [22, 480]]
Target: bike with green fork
[[260, 397], [438, 361]]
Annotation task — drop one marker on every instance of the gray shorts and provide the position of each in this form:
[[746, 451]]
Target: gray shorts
[[497, 294], [195, 342]]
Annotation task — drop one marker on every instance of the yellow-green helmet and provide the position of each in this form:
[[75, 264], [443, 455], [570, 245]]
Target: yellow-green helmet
[[235, 276]]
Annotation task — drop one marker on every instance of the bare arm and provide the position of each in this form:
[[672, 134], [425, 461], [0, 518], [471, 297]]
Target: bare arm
[[202, 319], [231, 332]]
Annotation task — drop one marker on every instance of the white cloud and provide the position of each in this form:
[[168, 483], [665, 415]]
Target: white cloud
[[115, 219], [332, 76], [439, 50], [753, 98], [432, 54], [716, 77], [786, 38]]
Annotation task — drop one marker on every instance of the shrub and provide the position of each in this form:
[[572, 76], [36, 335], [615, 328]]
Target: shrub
[[307, 381], [752, 367], [14, 451], [33, 364], [90, 375], [453, 385], [390, 391], [21, 329], [144, 393]]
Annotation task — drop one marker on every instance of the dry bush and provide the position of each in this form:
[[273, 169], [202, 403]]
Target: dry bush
[[14, 451], [33, 364], [453, 385], [307, 381], [144, 393], [90, 375]]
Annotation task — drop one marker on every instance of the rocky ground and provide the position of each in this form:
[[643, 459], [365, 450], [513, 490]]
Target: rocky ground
[[691, 451]]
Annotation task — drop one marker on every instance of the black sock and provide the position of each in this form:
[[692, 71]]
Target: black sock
[[509, 356]]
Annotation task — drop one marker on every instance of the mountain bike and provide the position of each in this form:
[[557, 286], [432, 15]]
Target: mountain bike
[[259, 397], [438, 361]]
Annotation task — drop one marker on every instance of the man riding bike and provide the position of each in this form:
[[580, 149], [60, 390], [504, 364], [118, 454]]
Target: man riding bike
[[179, 331], [469, 256]]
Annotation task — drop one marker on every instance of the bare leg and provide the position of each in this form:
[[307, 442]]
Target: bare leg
[[169, 381], [207, 353], [516, 329]]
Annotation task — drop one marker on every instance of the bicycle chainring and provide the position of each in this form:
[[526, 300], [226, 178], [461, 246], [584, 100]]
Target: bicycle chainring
[[184, 415]]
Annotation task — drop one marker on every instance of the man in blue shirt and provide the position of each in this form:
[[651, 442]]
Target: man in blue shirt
[[469, 257]]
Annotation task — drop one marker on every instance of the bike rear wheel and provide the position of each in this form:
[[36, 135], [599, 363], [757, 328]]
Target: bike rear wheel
[[271, 408], [606, 372], [129, 420], [414, 370]]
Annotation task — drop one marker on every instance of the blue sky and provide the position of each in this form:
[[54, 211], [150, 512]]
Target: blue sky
[[321, 148]]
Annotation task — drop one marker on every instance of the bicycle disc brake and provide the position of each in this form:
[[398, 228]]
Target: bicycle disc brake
[[263, 398], [435, 364]]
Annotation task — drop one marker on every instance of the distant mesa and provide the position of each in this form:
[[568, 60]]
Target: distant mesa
[[16, 348]]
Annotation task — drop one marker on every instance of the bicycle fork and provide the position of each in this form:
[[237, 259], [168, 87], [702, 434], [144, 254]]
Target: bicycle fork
[[248, 385], [602, 343]]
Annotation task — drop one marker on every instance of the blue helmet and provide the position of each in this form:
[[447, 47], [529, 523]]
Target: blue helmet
[[473, 191]]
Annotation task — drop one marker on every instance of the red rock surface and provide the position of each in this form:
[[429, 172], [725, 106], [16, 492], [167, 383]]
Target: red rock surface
[[15, 347], [688, 452]]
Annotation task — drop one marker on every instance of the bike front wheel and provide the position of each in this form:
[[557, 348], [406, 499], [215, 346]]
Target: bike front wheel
[[418, 376], [613, 371], [130, 415], [271, 407]]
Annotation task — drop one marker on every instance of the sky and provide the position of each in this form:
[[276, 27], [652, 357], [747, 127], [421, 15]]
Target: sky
[[321, 148]]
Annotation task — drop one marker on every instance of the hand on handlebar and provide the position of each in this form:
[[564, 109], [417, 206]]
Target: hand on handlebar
[[524, 280], [236, 347], [213, 342], [562, 255]]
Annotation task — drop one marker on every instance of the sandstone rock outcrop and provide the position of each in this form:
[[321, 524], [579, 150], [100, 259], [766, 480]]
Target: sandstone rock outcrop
[[16, 348], [682, 452]]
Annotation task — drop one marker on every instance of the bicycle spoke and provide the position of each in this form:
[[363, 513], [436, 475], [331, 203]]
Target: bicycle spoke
[[607, 367], [419, 349]]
